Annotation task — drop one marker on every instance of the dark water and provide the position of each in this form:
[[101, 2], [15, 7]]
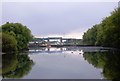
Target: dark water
[[63, 63]]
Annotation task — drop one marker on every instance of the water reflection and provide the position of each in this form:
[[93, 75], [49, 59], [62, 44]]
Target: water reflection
[[50, 64], [109, 61], [66, 49], [15, 65]]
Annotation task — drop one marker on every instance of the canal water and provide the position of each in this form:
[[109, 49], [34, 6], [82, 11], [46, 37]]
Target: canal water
[[63, 63]]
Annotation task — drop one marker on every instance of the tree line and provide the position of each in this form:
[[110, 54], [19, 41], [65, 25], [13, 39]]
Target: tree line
[[107, 33], [15, 37]]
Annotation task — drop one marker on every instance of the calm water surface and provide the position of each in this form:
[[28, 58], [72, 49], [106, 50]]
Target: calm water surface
[[63, 63]]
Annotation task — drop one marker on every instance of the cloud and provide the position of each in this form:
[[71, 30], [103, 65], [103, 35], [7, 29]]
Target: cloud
[[77, 35], [55, 18], [73, 34]]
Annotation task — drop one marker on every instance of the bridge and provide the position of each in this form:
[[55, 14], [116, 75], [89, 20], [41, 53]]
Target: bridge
[[54, 41]]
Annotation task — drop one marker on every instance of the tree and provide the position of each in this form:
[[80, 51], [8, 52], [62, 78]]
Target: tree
[[21, 33], [89, 37], [107, 33], [9, 43]]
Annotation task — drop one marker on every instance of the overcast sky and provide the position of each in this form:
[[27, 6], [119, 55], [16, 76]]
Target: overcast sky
[[68, 19]]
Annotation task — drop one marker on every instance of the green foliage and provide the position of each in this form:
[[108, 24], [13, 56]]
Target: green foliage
[[21, 33], [112, 67], [17, 66], [107, 33], [96, 58], [89, 38], [9, 43], [109, 62], [9, 63]]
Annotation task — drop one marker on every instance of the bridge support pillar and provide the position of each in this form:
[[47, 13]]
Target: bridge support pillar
[[60, 41], [48, 40]]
